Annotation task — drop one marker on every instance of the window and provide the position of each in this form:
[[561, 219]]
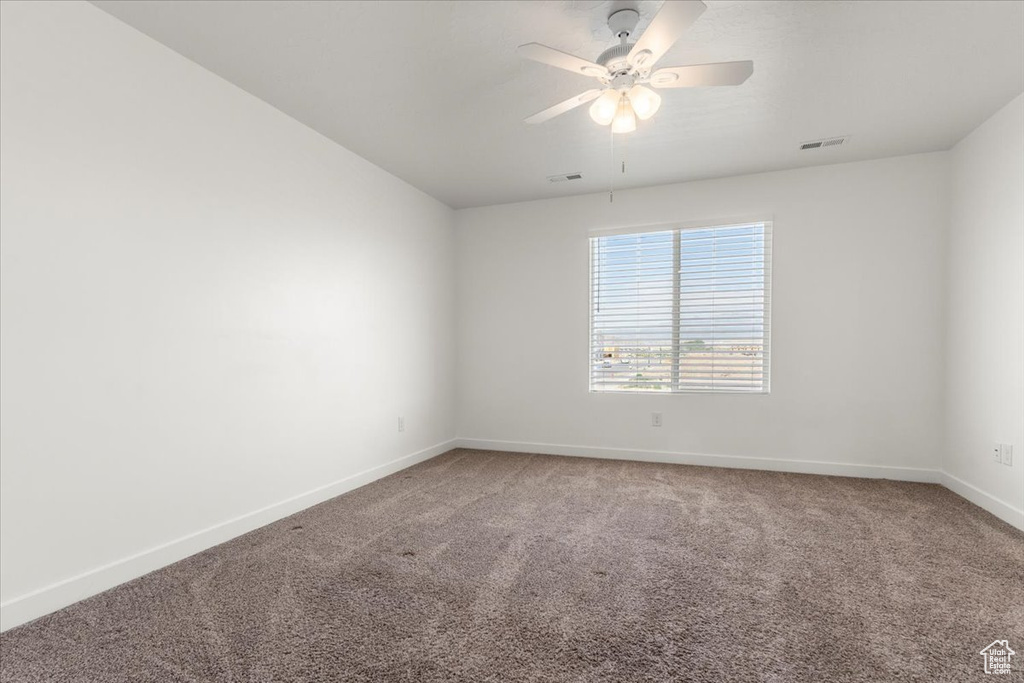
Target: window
[[683, 310]]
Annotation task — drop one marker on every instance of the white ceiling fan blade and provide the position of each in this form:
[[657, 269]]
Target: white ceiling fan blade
[[549, 55], [562, 107], [674, 17], [699, 75]]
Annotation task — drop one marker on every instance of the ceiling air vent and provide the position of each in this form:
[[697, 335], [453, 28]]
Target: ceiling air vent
[[565, 176], [827, 142]]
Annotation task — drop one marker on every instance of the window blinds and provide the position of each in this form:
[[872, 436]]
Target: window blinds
[[681, 310]]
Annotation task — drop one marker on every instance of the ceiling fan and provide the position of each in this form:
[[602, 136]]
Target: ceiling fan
[[626, 68]]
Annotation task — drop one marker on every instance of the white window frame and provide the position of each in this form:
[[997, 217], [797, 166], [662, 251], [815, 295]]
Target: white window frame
[[769, 237]]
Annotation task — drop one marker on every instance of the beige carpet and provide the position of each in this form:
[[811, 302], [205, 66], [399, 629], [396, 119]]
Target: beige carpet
[[481, 566]]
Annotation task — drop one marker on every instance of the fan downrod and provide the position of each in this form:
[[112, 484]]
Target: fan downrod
[[623, 25]]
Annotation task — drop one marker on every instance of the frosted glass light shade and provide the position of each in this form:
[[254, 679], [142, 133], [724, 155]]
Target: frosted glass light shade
[[604, 107], [625, 119], [645, 101]]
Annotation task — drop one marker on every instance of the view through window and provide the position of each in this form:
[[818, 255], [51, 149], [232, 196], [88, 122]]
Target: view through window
[[681, 310]]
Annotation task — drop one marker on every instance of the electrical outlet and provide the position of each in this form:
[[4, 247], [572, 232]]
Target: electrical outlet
[[655, 419], [1006, 452], [401, 424], [997, 452]]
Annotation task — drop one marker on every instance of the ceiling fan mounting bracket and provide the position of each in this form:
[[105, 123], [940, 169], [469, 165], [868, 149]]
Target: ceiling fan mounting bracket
[[623, 23]]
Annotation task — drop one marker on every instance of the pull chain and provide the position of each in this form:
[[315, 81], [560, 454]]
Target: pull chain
[[625, 153], [611, 176]]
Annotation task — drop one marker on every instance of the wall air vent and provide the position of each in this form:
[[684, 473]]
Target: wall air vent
[[827, 142], [565, 176]]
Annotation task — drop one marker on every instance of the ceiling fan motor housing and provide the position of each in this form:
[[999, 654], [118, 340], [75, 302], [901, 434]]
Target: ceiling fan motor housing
[[614, 58]]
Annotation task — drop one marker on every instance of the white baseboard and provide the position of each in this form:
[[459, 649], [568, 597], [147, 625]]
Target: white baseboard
[[55, 596], [63, 593], [1004, 511], [734, 461]]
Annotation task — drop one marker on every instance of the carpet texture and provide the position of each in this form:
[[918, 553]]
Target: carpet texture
[[482, 566]]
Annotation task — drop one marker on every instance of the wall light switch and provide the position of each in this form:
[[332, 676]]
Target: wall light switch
[[1006, 453], [997, 452], [655, 419]]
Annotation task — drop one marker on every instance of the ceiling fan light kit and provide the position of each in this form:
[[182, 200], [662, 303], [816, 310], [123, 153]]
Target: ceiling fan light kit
[[626, 68]]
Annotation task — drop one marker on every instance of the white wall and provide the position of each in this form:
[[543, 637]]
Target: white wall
[[207, 309], [857, 325], [985, 314]]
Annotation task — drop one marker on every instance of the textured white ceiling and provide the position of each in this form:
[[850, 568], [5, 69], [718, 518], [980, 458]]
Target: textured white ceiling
[[434, 92]]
